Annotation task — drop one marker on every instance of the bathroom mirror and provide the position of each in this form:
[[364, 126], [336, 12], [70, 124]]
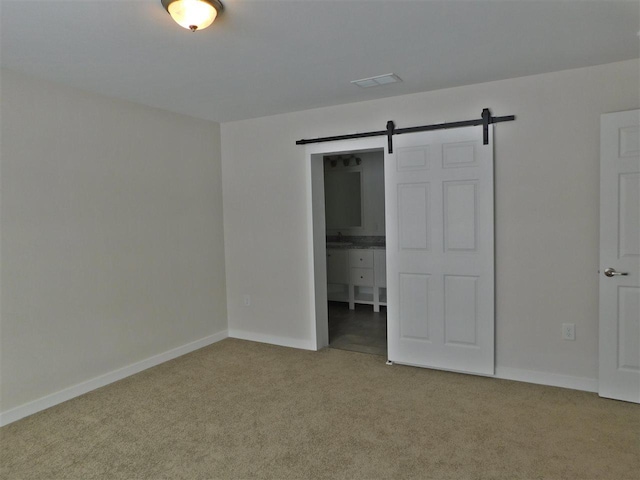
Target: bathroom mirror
[[343, 198]]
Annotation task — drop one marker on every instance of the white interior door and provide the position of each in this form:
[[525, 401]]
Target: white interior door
[[440, 250], [619, 340]]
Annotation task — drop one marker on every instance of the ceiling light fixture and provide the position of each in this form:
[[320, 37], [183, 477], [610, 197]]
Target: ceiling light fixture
[[193, 14]]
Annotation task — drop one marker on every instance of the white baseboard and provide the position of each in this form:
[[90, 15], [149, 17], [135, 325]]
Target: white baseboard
[[273, 339], [541, 378], [551, 379], [43, 403], [529, 376]]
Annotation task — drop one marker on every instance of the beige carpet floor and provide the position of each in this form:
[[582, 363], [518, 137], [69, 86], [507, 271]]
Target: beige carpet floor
[[244, 410]]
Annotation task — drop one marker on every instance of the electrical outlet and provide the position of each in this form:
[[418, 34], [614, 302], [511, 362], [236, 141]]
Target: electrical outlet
[[568, 331], [246, 300]]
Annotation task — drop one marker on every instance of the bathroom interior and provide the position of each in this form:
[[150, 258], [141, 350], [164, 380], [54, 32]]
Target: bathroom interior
[[356, 255]]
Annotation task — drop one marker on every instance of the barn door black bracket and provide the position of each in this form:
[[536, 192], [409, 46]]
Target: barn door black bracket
[[390, 130], [485, 120]]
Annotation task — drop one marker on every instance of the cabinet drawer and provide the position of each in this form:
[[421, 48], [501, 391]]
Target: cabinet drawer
[[362, 277], [361, 258]]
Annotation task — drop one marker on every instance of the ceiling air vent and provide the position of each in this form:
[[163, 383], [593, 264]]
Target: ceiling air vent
[[378, 80]]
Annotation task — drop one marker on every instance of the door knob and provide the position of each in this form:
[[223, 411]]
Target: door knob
[[611, 272]]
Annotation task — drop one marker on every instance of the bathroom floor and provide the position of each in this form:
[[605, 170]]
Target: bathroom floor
[[360, 330]]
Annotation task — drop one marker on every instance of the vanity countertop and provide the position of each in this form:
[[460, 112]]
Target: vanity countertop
[[356, 242], [352, 245]]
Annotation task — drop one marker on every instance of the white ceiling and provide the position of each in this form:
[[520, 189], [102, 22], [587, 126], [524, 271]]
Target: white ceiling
[[264, 57]]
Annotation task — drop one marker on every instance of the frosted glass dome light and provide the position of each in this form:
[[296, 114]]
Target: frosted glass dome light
[[193, 14]]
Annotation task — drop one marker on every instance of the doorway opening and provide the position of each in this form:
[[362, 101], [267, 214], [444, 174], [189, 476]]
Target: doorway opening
[[350, 185], [355, 239]]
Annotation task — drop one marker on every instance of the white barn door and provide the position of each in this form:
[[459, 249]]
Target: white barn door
[[440, 250], [619, 342]]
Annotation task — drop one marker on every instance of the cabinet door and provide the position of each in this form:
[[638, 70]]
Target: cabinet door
[[338, 266], [380, 267]]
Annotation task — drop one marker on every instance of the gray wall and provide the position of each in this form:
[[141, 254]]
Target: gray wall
[[547, 200], [112, 243]]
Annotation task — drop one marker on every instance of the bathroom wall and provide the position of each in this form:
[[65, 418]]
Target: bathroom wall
[[372, 196]]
